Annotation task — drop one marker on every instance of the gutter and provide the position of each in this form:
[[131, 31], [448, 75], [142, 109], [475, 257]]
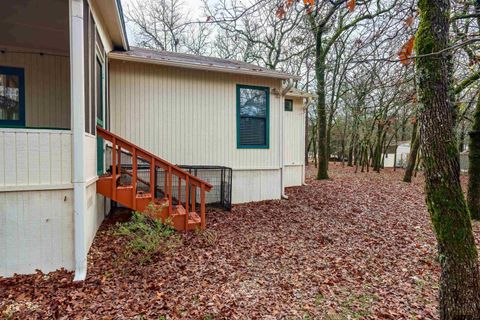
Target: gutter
[[77, 99]]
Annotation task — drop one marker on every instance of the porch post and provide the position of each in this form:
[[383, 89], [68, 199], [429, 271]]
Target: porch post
[[77, 86]]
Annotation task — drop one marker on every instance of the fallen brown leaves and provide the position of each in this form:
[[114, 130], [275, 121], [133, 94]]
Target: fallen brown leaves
[[359, 246]]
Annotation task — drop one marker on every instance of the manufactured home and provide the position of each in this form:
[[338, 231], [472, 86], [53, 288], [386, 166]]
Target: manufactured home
[[396, 154], [85, 120]]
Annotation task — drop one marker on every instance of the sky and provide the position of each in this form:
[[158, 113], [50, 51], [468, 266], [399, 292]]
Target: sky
[[194, 8]]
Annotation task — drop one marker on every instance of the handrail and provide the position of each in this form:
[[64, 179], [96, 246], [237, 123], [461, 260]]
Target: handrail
[[107, 135]]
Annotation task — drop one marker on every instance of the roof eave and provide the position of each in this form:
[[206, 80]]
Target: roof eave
[[121, 22], [125, 57]]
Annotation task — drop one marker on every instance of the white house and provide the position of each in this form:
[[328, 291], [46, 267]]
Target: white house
[[72, 90], [402, 151]]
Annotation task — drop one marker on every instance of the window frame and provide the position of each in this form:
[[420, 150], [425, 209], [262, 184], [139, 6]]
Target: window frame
[[20, 73], [285, 105], [267, 117]]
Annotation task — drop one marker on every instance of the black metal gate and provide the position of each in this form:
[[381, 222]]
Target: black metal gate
[[220, 178]]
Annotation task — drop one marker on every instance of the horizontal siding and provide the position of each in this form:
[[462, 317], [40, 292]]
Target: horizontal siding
[[47, 88], [188, 116], [36, 231], [295, 134], [30, 157]]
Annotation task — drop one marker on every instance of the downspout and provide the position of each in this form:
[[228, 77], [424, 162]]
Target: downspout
[[283, 93], [77, 100]]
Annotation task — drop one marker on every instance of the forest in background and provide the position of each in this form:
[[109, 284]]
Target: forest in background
[[369, 84]]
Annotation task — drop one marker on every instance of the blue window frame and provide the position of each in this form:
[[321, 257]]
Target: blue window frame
[[253, 117], [12, 97]]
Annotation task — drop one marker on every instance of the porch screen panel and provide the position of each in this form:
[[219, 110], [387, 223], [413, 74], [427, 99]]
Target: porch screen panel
[[90, 32], [92, 59], [86, 28]]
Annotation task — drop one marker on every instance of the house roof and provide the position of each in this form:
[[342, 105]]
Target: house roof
[[297, 93], [198, 62], [115, 23]]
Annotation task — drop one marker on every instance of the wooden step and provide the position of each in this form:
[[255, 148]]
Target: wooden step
[[142, 201], [194, 221]]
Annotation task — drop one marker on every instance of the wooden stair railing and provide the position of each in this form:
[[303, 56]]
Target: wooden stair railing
[[183, 215]]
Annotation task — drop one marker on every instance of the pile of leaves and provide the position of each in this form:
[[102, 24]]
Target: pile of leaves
[[358, 246]]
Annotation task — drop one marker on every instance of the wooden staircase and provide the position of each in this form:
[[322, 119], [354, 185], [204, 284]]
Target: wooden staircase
[[174, 199]]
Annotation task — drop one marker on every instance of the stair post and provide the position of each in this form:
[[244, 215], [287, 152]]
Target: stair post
[[187, 189], [114, 168], [153, 175], [134, 178], [202, 206]]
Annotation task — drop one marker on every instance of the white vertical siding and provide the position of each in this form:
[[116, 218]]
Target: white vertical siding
[[295, 134], [36, 231], [294, 151], [293, 175], [188, 116], [31, 157], [47, 88]]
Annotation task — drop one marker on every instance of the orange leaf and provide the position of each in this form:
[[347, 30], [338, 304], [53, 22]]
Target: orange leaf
[[406, 51], [409, 21], [280, 13], [351, 5], [309, 4]]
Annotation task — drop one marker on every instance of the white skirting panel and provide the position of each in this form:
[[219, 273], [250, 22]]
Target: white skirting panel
[[94, 215], [256, 185], [293, 175], [36, 231]]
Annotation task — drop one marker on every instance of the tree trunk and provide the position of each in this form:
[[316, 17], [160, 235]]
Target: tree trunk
[[459, 281], [307, 144], [473, 196], [320, 67], [412, 158]]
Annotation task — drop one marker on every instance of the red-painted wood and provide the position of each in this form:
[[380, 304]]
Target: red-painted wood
[[184, 219]]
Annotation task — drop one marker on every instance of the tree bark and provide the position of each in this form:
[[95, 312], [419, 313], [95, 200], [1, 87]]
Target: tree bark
[[307, 144], [412, 158], [473, 195], [459, 281], [320, 67]]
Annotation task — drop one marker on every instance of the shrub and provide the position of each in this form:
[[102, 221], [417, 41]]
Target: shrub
[[147, 237]]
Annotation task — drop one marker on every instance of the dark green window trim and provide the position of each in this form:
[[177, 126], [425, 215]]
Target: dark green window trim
[[267, 118], [35, 128], [20, 73], [288, 105]]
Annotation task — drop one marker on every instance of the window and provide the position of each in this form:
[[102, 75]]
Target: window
[[252, 117], [288, 105], [12, 96]]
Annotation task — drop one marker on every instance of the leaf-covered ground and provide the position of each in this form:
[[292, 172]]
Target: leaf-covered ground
[[358, 246]]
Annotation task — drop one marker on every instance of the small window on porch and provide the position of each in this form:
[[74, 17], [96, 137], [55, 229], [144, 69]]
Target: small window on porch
[[12, 97], [288, 105]]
